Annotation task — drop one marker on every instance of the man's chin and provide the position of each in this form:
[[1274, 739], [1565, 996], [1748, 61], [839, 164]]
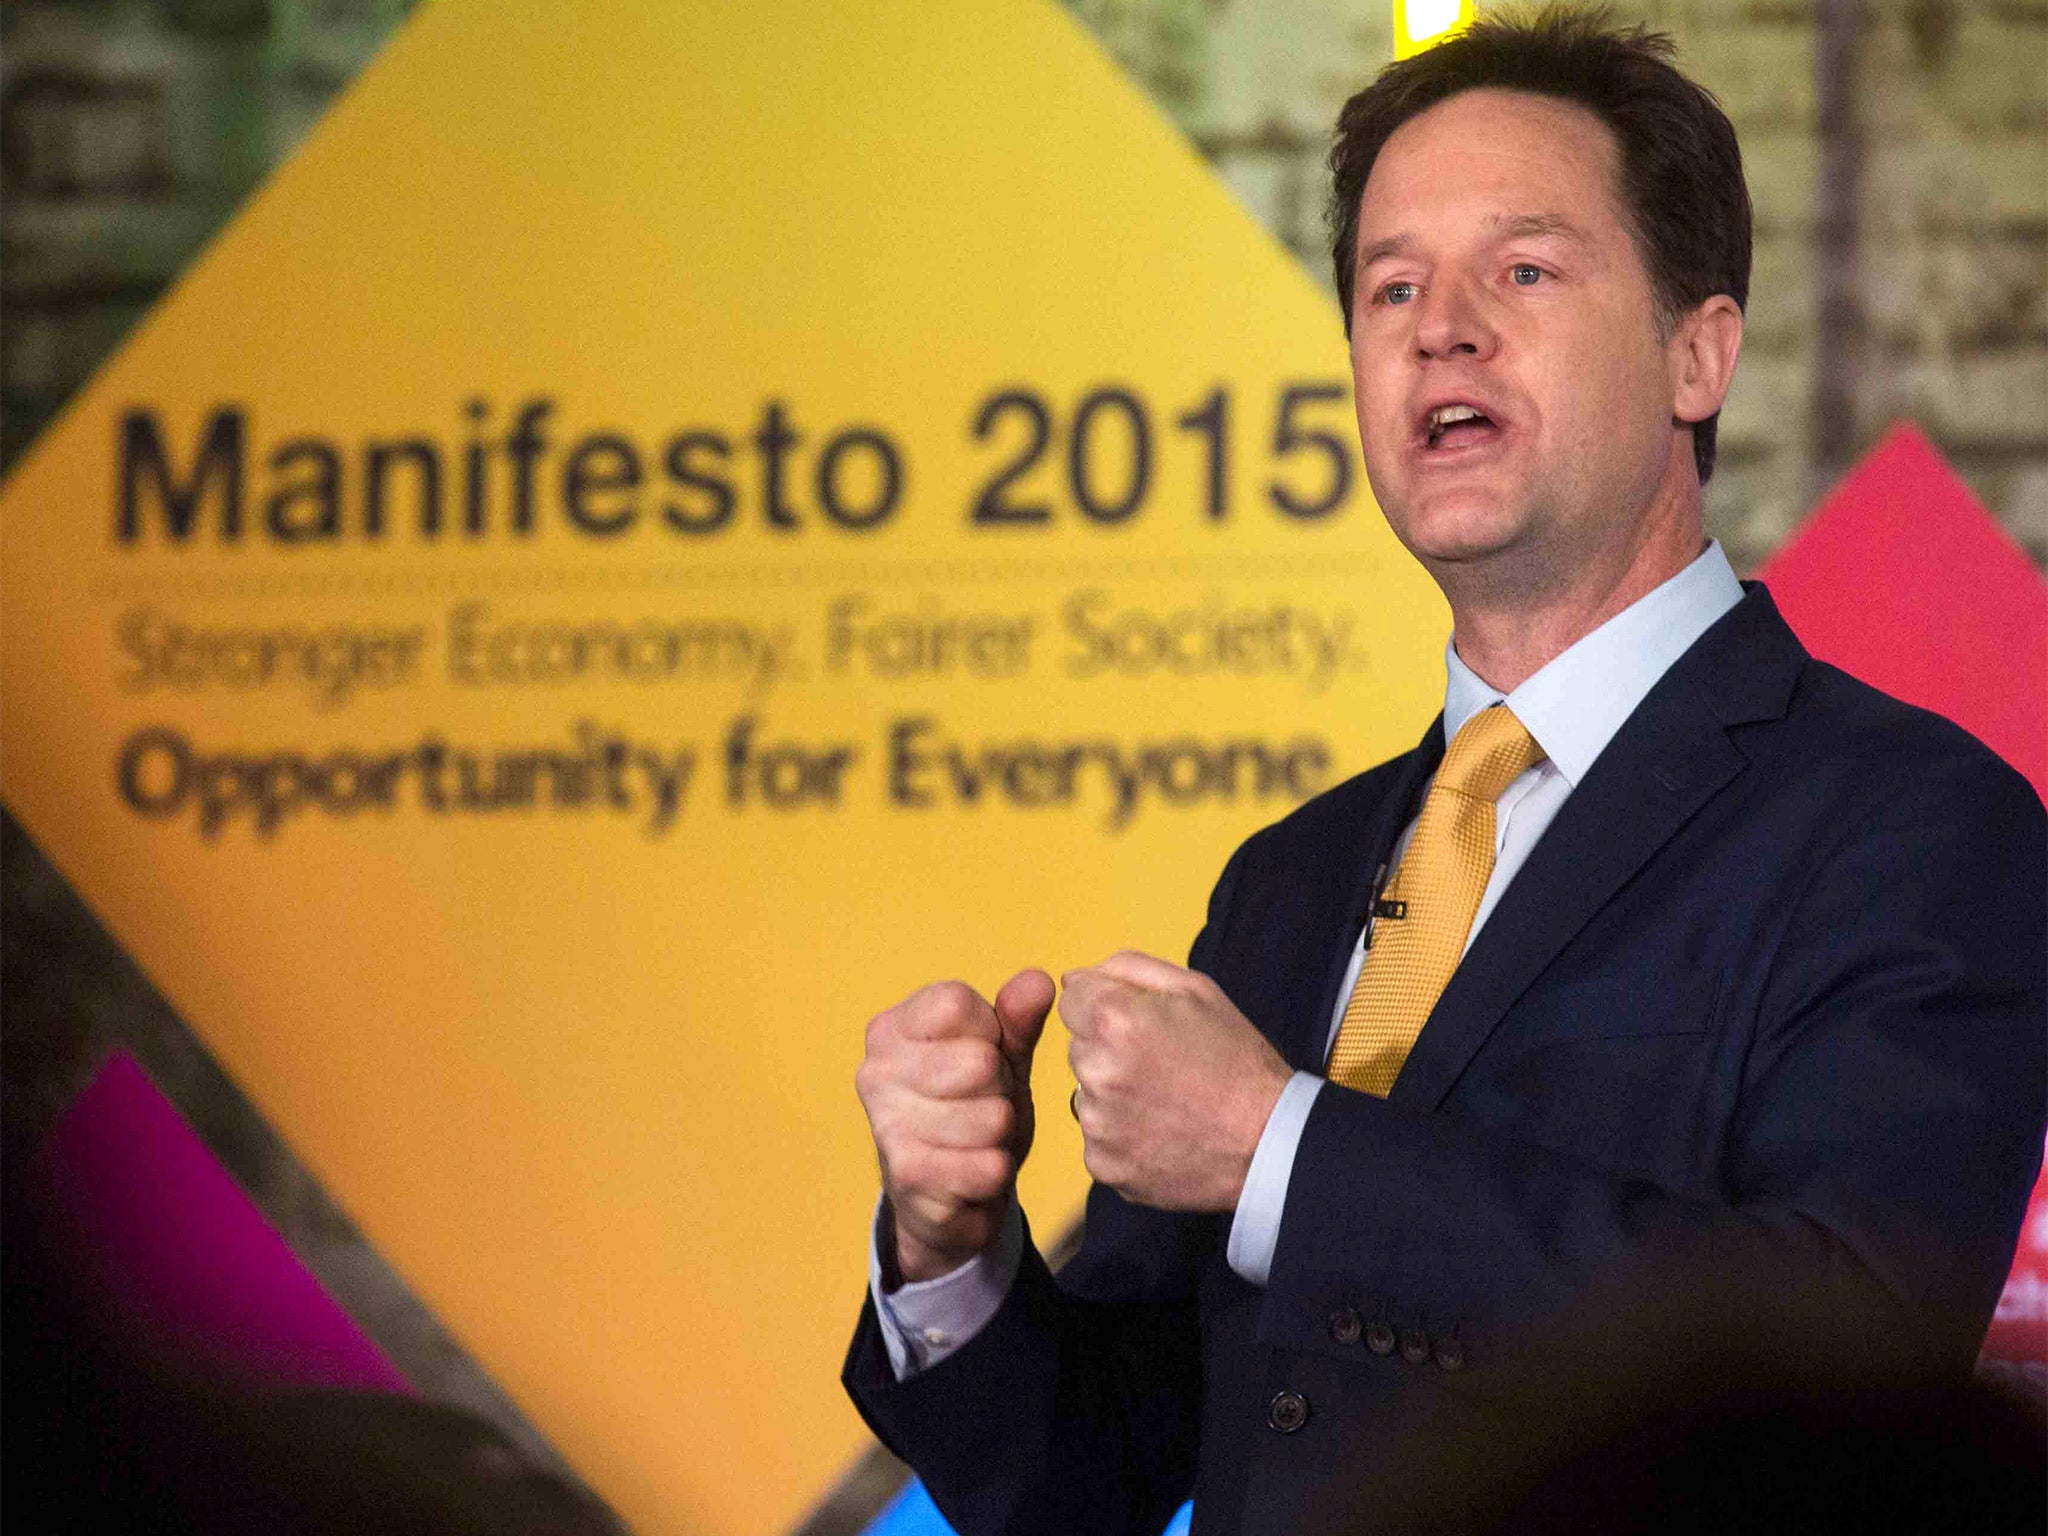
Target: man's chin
[[1463, 538], [1469, 517]]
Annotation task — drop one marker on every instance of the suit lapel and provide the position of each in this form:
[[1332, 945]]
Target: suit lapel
[[1671, 757]]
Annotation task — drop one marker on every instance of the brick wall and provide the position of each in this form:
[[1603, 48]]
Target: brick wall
[[1955, 240], [1948, 289], [129, 132]]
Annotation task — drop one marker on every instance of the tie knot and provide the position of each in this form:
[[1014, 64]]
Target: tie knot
[[1490, 753]]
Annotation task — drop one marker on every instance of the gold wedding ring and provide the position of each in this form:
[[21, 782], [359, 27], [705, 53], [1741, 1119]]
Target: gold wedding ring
[[1074, 1103]]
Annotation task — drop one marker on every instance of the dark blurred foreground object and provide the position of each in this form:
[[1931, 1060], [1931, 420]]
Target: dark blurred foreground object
[[350, 1461], [1715, 1390], [189, 1460], [1967, 1461], [101, 1434]]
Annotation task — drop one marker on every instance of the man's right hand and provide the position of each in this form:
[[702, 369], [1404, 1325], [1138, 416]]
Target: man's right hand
[[946, 1083]]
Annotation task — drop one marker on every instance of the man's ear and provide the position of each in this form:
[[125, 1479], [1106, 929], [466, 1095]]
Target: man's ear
[[1702, 351]]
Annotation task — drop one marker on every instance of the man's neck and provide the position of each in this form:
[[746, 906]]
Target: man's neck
[[1509, 627]]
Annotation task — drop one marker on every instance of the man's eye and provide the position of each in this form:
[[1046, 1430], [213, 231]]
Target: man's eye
[[1525, 274], [1397, 293]]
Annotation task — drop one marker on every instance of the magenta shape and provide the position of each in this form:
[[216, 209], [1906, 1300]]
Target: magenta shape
[[1904, 579], [158, 1234]]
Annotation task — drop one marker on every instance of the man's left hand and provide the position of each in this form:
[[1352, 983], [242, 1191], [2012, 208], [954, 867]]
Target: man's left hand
[[1176, 1084]]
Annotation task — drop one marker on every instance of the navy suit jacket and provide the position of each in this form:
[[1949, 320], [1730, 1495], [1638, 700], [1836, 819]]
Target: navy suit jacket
[[1773, 983]]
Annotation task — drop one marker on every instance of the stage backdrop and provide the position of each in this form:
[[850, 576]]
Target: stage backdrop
[[656, 535], [659, 531]]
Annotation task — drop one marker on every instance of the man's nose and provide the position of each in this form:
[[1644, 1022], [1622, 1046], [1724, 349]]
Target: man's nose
[[1452, 322]]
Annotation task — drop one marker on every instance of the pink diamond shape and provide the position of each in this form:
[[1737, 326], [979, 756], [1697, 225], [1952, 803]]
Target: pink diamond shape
[[1902, 578]]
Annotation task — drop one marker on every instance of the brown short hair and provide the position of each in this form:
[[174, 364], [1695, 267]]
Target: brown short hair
[[1681, 170]]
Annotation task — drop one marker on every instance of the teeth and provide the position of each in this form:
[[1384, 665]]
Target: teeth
[[1448, 415]]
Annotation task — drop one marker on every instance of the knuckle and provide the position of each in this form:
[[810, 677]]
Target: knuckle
[[935, 1066], [948, 1075], [935, 1210], [984, 1174], [1002, 1120], [927, 1071], [885, 1119], [871, 1080], [952, 1003], [911, 1168], [951, 1126], [954, 1172], [982, 1062]]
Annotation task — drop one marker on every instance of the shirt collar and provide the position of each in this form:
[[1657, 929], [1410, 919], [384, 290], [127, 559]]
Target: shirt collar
[[1575, 704]]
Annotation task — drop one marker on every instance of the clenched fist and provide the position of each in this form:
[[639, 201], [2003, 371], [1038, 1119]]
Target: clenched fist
[[1176, 1084], [946, 1083]]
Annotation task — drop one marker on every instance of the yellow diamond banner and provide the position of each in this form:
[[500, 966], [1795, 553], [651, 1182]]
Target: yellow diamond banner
[[662, 529]]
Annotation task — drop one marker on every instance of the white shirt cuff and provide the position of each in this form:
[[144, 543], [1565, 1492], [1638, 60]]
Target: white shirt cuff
[[923, 1321], [1255, 1230]]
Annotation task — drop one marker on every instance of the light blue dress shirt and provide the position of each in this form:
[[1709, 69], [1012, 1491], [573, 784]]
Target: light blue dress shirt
[[1573, 707]]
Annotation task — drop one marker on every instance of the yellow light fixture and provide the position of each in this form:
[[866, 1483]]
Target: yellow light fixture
[[1420, 24]]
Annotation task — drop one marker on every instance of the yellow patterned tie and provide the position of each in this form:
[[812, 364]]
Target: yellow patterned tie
[[1436, 890]]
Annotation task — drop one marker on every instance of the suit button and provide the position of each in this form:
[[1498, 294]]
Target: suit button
[[1287, 1412], [1379, 1337], [1450, 1354], [1415, 1346], [1345, 1326]]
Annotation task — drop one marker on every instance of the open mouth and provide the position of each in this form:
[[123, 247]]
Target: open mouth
[[1454, 426]]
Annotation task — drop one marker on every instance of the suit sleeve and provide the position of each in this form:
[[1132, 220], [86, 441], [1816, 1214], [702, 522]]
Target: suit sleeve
[[1880, 1150], [1075, 1411]]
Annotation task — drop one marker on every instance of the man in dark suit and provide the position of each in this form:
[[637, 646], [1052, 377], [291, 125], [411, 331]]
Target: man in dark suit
[[1669, 952]]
